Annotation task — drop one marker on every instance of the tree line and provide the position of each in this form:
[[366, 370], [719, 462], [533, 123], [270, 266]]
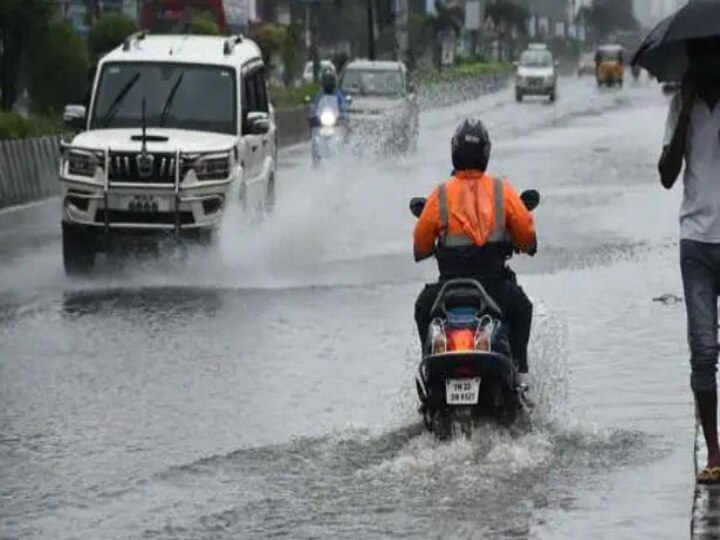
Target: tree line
[[43, 54]]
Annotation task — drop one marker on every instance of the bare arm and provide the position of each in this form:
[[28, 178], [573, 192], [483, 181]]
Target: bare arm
[[673, 154]]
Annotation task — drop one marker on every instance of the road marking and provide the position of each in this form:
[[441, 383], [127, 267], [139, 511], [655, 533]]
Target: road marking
[[26, 206]]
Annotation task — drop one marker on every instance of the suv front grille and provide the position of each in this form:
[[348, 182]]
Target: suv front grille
[[150, 169]]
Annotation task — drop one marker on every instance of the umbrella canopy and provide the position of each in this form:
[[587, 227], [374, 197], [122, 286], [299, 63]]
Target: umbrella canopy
[[663, 52]]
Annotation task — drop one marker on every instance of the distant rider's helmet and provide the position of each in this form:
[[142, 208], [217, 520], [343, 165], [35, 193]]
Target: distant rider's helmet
[[471, 146], [329, 81]]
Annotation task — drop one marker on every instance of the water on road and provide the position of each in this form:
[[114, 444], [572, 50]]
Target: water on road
[[265, 388]]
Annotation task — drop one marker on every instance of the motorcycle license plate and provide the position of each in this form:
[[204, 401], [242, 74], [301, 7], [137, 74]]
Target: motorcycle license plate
[[462, 391]]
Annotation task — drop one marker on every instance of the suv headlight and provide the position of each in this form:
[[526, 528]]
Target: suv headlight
[[82, 163], [210, 166]]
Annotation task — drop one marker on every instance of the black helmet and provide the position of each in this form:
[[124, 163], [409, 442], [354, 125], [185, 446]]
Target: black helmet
[[471, 146], [329, 80]]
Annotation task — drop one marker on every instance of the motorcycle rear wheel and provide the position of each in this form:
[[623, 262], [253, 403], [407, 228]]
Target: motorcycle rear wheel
[[453, 424]]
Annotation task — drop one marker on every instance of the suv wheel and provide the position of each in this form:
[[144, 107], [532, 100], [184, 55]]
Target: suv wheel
[[414, 139], [242, 196], [407, 141], [206, 238], [270, 195], [78, 251], [518, 96]]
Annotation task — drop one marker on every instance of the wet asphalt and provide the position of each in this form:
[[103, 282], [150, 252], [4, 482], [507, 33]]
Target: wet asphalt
[[264, 388]]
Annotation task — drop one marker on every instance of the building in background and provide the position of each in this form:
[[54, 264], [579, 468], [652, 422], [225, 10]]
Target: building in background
[[230, 15], [650, 12], [549, 19], [76, 11]]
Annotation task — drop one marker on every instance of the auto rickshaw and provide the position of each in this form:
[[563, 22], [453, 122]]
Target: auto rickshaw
[[609, 65]]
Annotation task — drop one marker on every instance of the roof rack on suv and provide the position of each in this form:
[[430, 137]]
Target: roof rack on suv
[[137, 36], [230, 43]]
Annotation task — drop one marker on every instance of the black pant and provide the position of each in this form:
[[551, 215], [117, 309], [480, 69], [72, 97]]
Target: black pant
[[700, 265], [516, 306]]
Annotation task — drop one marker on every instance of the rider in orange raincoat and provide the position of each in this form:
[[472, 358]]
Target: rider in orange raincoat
[[471, 223]]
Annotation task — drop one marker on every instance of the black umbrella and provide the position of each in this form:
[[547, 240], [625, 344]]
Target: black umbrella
[[663, 53]]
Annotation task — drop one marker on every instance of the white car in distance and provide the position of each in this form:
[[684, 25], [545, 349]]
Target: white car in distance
[[536, 74]]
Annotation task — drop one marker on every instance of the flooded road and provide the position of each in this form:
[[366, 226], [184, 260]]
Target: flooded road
[[265, 388]]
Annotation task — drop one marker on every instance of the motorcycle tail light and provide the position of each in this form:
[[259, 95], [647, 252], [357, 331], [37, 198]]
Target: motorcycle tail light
[[483, 334], [438, 339], [461, 339]]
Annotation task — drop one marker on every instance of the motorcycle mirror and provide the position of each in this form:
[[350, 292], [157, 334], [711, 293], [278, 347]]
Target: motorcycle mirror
[[531, 199], [416, 206]]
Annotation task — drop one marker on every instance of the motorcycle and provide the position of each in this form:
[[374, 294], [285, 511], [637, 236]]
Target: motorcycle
[[467, 373], [328, 133]]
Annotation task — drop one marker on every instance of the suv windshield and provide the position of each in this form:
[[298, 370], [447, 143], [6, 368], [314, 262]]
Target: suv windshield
[[372, 82], [180, 96], [536, 59]]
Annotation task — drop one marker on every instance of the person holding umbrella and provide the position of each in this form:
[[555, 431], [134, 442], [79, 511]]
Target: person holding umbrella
[[686, 47]]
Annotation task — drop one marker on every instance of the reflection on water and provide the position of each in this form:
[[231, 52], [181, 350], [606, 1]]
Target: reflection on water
[[705, 522], [166, 302]]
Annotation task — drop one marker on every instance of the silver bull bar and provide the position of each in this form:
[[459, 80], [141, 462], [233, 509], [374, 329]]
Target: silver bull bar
[[108, 186]]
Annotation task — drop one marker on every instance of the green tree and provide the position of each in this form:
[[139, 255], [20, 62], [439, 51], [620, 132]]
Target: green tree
[[269, 37], [512, 14], [203, 24], [448, 19], [109, 32], [21, 21], [58, 66], [290, 54], [343, 21], [419, 30]]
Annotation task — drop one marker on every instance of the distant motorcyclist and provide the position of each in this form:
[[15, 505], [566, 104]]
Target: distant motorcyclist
[[329, 88], [470, 223]]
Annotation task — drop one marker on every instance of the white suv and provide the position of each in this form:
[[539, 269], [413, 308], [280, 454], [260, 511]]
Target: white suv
[[178, 127]]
